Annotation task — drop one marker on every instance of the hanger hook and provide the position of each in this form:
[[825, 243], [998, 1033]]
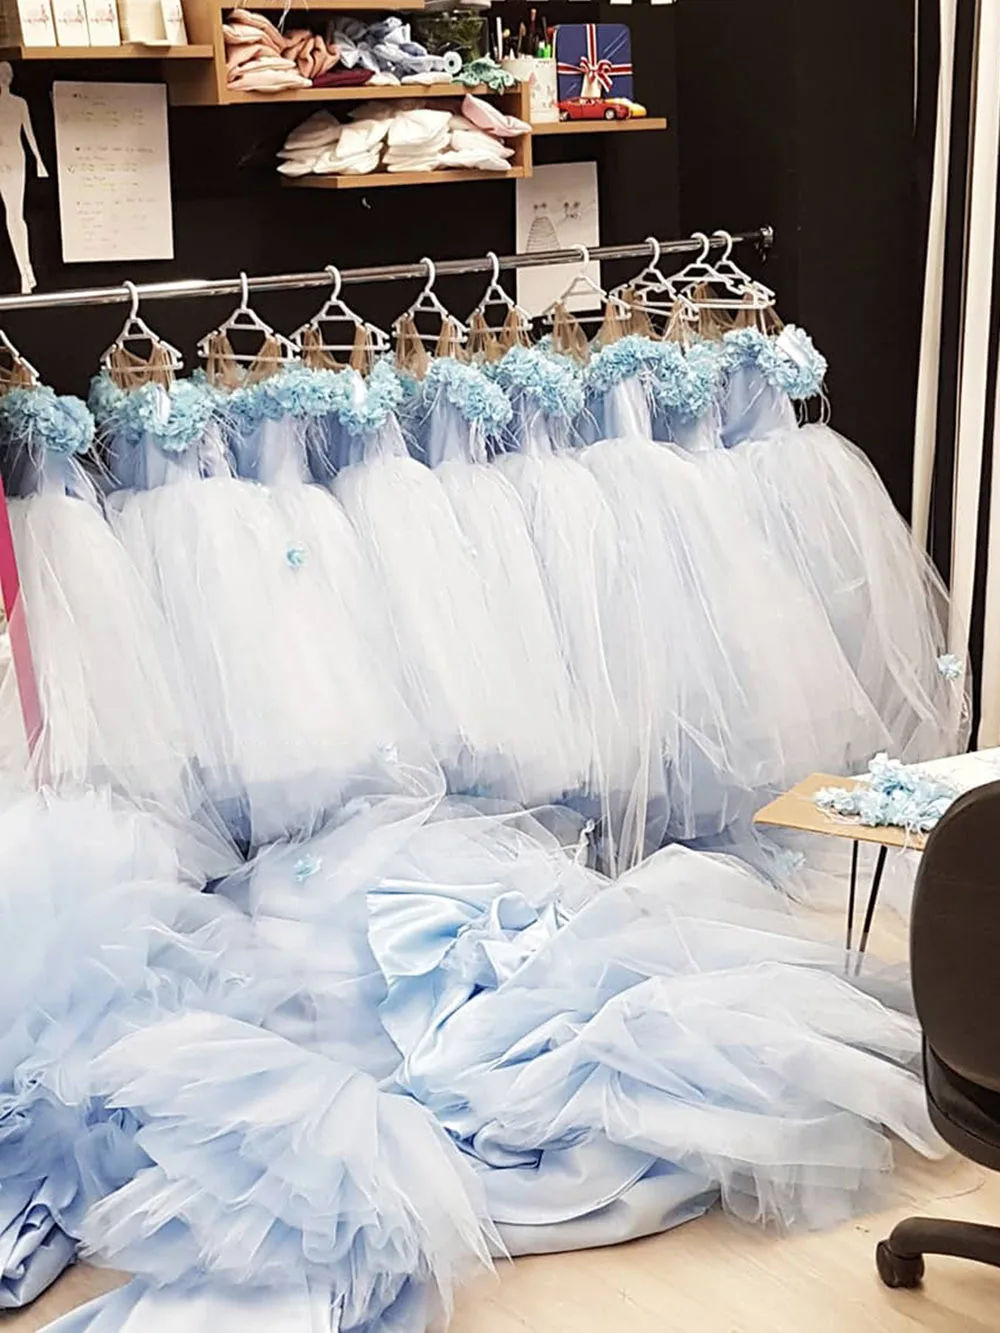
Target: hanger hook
[[654, 246], [431, 274], [337, 280], [584, 253], [244, 291], [496, 267], [133, 292], [706, 245], [728, 238]]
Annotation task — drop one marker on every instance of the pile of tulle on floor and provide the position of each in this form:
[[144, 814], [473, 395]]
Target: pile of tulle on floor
[[365, 1064]]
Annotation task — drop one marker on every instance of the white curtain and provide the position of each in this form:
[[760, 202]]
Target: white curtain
[[976, 370], [930, 338]]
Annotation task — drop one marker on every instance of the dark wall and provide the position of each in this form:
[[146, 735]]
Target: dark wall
[[800, 113], [231, 211]]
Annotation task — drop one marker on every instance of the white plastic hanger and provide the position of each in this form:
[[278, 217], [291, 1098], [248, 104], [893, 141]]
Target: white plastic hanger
[[702, 273], [428, 303], [729, 268], [137, 330], [334, 311], [18, 360], [243, 317], [651, 278], [495, 295], [582, 285]]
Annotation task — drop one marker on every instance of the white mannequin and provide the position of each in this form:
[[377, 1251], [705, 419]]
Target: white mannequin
[[15, 121]]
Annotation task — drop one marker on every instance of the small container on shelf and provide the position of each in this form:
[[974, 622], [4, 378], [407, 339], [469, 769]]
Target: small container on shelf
[[462, 30], [539, 73]]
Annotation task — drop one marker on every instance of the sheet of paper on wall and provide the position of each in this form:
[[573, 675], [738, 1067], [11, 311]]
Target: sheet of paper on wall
[[114, 171], [557, 208]]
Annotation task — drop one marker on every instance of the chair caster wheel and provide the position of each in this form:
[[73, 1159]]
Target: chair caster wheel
[[898, 1270]]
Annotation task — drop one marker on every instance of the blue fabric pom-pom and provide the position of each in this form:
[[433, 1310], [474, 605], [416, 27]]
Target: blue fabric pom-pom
[[174, 419], [38, 419], [470, 391], [547, 383], [789, 362], [892, 795]]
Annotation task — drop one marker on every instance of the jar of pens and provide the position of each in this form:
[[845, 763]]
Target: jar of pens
[[530, 56]]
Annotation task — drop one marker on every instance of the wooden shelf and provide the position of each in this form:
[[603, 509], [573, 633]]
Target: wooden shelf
[[127, 51], [374, 179], [362, 93], [600, 126], [322, 6]]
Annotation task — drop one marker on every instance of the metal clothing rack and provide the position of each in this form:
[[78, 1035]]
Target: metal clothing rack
[[191, 287], [10, 583]]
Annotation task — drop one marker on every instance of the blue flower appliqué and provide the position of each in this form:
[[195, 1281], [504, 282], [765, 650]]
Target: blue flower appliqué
[[468, 389], [174, 419], [307, 866], [894, 795], [295, 557], [950, 666], [38, 419], [550, 384], [789, 361]]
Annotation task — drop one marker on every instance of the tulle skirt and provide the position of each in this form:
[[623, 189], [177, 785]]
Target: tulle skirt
[[112, 698], [293, 717], [454, 654], [824, 507], [590, 584], [548, 741], [750, 690]]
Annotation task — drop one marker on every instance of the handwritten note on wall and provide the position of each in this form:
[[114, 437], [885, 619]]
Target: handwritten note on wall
[[114, 171]]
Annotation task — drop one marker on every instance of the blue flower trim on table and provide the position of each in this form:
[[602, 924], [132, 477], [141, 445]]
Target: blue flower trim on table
[[174, 419], [893, 795], [788, 361], [548, 383], [37, 419]]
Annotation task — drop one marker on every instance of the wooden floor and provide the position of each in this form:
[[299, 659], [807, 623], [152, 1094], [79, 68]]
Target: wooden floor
[[713, 1277]]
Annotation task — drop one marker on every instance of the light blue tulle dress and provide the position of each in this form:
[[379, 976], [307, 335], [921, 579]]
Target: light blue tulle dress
[[415, 1028], [114, 707], [268, 597], [824, 507]]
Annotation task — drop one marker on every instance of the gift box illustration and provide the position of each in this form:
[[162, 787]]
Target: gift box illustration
[[593, 60]]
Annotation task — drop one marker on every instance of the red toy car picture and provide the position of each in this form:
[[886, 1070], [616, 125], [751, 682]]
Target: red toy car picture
[[604, 108]]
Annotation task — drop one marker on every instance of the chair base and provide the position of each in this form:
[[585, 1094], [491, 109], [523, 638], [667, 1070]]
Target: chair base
[[900, 1259]]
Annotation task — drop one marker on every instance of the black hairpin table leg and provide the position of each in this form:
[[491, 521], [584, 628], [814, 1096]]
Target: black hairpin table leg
[[850, 908], [870, 909]]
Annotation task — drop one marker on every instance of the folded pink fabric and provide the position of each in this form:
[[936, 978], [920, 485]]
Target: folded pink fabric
[[487, 117]]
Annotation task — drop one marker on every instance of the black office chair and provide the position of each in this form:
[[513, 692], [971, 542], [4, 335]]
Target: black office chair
[[955, 959]]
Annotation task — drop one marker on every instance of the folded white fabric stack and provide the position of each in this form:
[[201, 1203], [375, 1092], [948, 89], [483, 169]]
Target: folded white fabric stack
[[402, 137]]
